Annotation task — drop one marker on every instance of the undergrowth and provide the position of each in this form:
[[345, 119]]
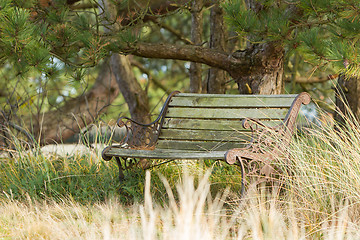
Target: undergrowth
[[81, 196], [42, 177], [86, 178]]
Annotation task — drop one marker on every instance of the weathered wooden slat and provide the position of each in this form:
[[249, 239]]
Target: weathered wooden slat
[[206, 135], [208, 126], [226, 113], [198, 145], [204, 124], [225, 101], [164, 154], [186, 95]]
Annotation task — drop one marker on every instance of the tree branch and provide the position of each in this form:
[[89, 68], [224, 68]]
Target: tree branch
[[234, 64], [60, 124]]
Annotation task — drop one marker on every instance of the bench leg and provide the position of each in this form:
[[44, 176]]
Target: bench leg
[[241, 164], [121, 169]]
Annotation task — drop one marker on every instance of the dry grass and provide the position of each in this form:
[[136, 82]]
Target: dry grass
[[320, 200], [195, 216]]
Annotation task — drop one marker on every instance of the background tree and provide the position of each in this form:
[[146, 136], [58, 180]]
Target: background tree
[[57, 44], [322, 34]]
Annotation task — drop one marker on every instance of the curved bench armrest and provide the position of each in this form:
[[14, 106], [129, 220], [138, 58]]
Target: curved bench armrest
[[143, 136], [265, 139]]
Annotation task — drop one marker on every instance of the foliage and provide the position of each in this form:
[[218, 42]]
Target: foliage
[[20, 41], [50, 54], [325, 33]]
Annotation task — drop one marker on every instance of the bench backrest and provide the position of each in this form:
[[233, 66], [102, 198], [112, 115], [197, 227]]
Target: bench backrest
[[213, 122]]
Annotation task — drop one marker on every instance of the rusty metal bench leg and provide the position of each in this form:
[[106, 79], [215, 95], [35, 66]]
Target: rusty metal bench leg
[[121, 169], [241, 164]]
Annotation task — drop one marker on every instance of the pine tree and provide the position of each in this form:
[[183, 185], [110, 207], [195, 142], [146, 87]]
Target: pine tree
[[325, 33], [20, 40]]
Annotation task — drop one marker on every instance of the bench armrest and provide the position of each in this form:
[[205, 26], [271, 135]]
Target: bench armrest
[[263, 138], [257, 127], [143, 136], [139, 135], [262, 144], [254, 124]]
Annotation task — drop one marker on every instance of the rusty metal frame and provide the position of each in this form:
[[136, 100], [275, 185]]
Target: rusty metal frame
[[264, 145], [143, 136], [139, 135]]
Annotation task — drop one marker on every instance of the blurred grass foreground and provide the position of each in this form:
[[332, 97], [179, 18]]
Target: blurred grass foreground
[[78, 196]]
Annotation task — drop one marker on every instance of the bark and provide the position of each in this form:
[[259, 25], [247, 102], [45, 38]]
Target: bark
[[59, 125], [193, 53], [258, 69], [217, 77], [196, 38], [135, 97], [265, 76]]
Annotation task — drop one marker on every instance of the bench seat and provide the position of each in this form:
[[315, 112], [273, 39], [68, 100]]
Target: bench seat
[[233, 128], [165, 154]]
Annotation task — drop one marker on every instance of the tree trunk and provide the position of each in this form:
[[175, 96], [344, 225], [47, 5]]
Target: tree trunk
[[59, 125], [347, 99], [217, 77], [135, 97], [266, 75], [196, 38]]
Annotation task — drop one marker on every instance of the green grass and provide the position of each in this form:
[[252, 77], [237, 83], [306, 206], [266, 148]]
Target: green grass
[[80, 196], [86, 178], [80, 178]]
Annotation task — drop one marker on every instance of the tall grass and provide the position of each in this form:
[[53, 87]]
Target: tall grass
[[196, 215], [325, 171], [49, 197], [32, 174]]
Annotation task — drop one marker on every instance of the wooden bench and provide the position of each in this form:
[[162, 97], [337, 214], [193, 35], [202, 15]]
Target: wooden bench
[[226, 127]]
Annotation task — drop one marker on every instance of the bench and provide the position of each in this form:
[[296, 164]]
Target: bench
[[233, 128]]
